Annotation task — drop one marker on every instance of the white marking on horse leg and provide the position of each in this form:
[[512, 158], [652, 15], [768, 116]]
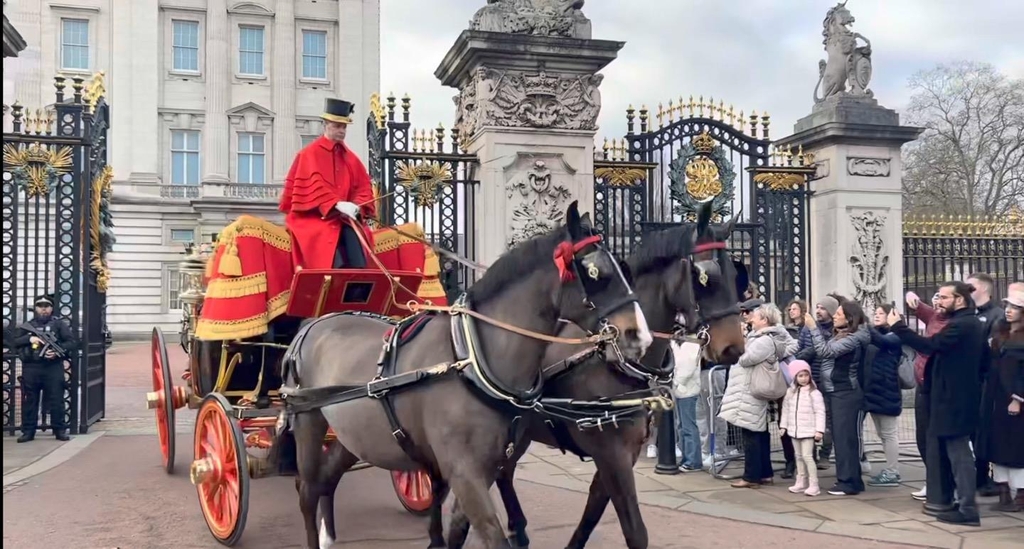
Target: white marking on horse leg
[[326, 541], [643, 332]]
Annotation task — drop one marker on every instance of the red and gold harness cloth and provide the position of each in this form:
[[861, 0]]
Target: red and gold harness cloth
[[249, 277]]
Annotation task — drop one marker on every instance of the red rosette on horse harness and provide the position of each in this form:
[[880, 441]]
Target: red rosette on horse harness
[[566, 251]]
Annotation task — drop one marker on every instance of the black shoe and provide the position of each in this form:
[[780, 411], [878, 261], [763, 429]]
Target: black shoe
[[958, 517], [62, 436], [26, 437], [790, 470], [936, 509]]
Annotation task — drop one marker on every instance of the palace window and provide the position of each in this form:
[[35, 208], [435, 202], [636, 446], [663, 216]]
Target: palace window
[[183, 236], [307, 139], [173, 286], [184, 157], [251, 158], [314, 54], [250, 51], [186, 46], [74, 44]]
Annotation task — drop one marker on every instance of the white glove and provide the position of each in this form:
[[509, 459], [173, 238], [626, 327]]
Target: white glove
[[347, 209]]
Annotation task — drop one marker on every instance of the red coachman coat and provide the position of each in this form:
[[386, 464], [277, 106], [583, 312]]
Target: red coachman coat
[[323, 174]]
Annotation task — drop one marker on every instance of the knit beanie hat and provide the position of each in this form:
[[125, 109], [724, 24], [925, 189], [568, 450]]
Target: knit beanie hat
[[797, 366], [830, 304]]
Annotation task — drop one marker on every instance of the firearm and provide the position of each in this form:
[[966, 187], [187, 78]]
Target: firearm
[[49, 343]]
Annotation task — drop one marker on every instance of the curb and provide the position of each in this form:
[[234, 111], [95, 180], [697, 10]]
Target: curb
[[62, 454], [732, 512]]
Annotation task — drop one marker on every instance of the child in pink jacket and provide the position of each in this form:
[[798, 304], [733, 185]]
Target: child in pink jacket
[[803, 418]]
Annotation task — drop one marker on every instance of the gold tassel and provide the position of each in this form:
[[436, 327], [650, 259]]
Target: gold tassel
[[431, 263], [230, 264]]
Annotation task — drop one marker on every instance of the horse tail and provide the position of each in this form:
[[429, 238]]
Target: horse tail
[[821, 78]]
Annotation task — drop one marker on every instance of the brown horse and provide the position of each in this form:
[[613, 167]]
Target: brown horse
[[680, 270], [460, 427]]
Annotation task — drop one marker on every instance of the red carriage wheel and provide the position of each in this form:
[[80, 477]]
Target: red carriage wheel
[[220, 471], [162, 398], [414, 491]]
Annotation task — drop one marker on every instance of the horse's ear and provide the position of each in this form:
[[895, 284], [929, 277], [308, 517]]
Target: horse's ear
[[731, 225], [572, 221], [586, 223], [704, 217], [742, 277]]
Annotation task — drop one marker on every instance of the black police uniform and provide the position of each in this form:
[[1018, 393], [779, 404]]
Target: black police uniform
[[43, 375]]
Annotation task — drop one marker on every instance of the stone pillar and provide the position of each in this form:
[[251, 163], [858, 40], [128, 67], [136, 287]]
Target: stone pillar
[[216, 139], [856, 210], [527, 108], [857, 205], [144, 95], [283, 74]]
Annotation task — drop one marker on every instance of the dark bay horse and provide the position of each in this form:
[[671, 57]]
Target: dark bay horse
[[679, 270], [455, 426]]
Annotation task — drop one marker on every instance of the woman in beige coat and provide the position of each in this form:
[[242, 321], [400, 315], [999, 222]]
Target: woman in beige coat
[[768, 341]]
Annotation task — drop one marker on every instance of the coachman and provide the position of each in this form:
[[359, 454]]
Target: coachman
[[326, 184]]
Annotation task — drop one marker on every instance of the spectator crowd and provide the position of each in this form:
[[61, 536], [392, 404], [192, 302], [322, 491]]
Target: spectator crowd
[[821, 369]]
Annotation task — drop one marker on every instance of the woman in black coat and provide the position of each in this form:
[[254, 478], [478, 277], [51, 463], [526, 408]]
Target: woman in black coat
[[882, 396], [1002, 405]]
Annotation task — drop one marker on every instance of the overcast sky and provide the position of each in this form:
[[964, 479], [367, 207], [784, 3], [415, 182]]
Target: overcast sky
[[754, 54]]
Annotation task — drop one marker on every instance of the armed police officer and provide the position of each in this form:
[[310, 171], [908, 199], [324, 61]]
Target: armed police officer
[[44, 344]]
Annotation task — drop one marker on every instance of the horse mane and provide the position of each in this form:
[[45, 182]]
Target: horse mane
[[516, 264], [661, 248]]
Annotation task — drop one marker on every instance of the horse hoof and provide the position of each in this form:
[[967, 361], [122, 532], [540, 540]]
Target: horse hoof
[[518, 542]]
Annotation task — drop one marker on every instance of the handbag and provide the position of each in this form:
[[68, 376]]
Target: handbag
[[767, 382], [908, 380]]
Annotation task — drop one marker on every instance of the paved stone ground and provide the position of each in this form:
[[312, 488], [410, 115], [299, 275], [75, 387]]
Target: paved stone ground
[[122, 498], [884, 514]]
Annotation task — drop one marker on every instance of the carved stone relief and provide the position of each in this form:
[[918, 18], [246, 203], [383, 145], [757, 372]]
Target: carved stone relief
[[534, 17], [868, 167], [822, 169], [531, 100], [869, 260], [539, 202]]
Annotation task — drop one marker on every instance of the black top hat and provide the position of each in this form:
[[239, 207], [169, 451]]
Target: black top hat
[[337, 110], [45, 299]]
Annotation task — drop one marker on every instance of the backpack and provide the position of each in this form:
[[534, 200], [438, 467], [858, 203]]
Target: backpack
[[906, 369]]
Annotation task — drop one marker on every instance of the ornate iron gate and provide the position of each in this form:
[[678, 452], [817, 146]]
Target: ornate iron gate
[[424, 177], [56, 234], [659, 175]]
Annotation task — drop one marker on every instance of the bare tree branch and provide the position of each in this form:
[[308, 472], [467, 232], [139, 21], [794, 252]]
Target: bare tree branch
[[970, 159]]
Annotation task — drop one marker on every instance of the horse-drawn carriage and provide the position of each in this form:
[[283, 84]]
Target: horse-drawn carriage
[[242, 305]]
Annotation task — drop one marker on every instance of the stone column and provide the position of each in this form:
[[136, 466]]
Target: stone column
[[527, 108], [856, 210], [216, 138], [119, 84], [144, 96], [358, 63], [285, 137]]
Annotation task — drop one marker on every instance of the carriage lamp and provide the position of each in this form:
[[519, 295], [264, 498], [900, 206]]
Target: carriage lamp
[[192, 269]]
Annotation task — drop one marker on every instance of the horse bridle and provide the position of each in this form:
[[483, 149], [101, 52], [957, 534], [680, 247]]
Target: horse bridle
[[702, 266], [702, 334], [571, 269]]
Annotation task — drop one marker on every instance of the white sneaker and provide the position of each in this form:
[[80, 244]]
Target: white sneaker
[[921, 494], [652, 451]]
